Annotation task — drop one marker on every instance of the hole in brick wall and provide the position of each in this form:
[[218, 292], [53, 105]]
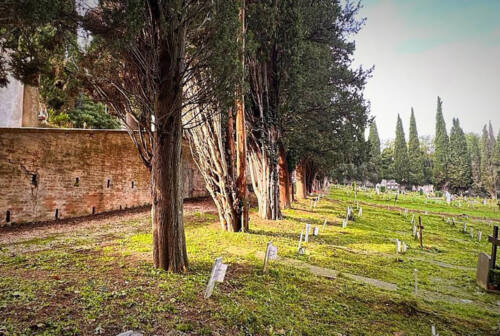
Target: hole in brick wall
[[132, 184], [108, 183], [56, 216], [93, 210], [34, 180], [7, 216], [77, 182]]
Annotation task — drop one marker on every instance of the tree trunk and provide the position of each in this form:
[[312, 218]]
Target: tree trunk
[[284, 179], [169, 243], [265, 181], [300, 180]]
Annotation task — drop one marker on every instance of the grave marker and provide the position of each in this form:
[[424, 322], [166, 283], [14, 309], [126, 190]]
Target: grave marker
[[217, 275], [306, 237], [495, 242], [433, 331], [360, 212], [315, 231], [464, 227], [271, 254], [324, 223], [479, 234], [398, 246], [300, 239], [420, 232], [471, 232], [404, 247]]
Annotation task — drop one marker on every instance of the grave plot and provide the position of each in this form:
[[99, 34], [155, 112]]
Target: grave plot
[[348, 281]]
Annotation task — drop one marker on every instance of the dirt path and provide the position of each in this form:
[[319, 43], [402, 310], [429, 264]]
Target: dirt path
[[112, 221]]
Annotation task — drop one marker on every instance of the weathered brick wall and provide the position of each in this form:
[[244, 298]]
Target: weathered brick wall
[[75, 173]]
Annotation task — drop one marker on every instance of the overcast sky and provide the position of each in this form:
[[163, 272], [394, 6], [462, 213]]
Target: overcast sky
[[425, 48]]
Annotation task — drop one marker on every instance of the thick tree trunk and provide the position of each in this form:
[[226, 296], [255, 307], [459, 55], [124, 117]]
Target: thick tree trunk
[[169, 243], [300, 180], [284, 179], [265, 181]]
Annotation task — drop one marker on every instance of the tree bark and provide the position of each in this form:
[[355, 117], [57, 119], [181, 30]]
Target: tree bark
[[241, 135], [169, 243], [284, 179], [300, 180]]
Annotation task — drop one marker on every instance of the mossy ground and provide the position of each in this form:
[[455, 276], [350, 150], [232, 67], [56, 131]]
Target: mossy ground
[[101, 281]]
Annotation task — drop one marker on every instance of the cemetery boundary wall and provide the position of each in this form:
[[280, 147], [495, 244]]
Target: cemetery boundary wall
[[49, 174]]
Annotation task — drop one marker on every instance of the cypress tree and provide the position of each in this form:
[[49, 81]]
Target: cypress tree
[[375, 154], [415, 157], [374, 140], [400, 154], [441, 143], [475, 160], [459, 166], [489, 173]]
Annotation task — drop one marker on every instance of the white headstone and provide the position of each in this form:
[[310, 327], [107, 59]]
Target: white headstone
[[213, 277], [479, 234], [273, 252], [324, 223], [398, 246], [306, 237], [404, 248], [471, 232], [221, 273], [315, 231], [360, 212]]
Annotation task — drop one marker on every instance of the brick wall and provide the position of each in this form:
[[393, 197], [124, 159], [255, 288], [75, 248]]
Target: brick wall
[[46, 173]]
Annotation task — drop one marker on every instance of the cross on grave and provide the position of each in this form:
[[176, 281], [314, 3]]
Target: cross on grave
[[420, 230], [495, 242]]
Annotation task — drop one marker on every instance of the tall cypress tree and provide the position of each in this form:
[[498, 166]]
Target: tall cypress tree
[[400, 154], [441, 143], [459, 166], [489, 174], [415, 157], [374, 166], [374, 140], [475, 160]]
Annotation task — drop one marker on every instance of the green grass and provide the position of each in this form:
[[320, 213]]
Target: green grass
[[102, 282]]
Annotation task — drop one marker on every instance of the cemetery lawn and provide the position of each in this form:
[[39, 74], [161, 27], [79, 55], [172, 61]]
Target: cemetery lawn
[[97, 278]]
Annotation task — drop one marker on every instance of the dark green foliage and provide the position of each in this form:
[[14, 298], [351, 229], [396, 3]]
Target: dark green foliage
[[427, 158], [401, 167], [373, 165], [387, 162], [459, 166], [475, 160], [489, 171], [441, 143], [415, 155], [86, 114]]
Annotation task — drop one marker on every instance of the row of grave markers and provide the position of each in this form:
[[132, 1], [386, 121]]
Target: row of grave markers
[[219, 269]]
